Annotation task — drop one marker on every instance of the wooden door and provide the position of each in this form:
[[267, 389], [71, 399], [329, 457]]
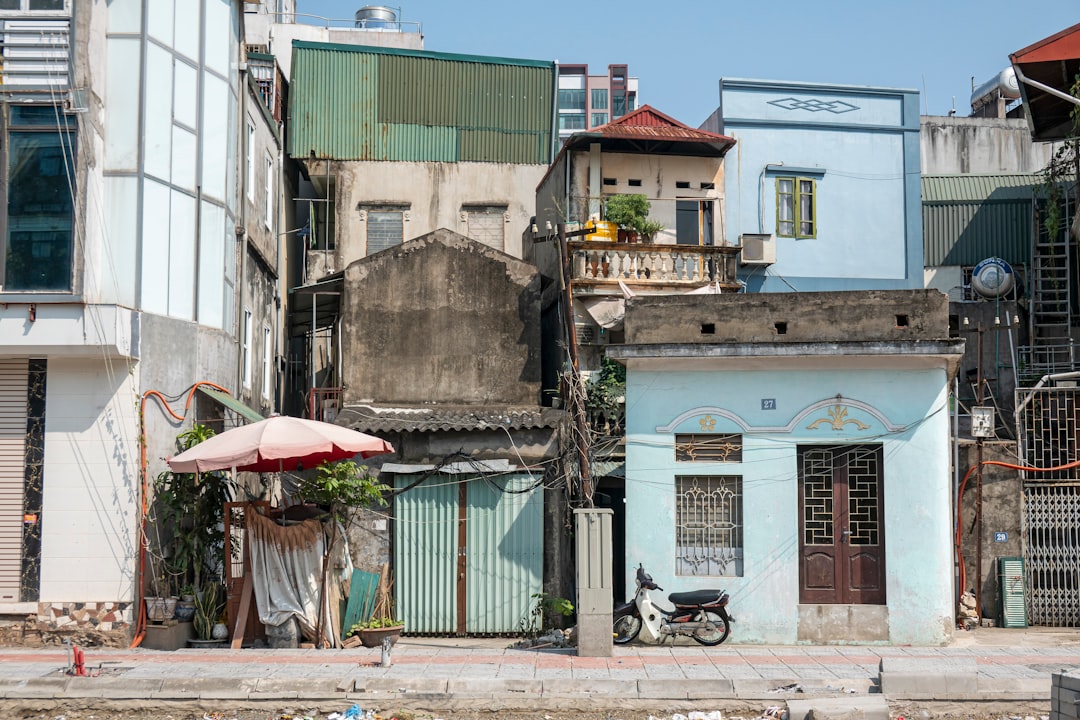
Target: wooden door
[[841, 523]]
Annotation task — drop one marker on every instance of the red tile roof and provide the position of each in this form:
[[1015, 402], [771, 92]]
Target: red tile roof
[[648, 122]]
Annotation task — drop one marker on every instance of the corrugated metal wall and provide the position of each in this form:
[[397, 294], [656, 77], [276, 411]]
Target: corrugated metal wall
[[357, 103], [968, 218], [425, 552], [503, 552]]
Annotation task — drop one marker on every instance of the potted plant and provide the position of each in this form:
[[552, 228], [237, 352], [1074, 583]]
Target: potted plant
[[373, 631], [209, 604], [185, 607], [627, 211], [648, 230], [188, 533]]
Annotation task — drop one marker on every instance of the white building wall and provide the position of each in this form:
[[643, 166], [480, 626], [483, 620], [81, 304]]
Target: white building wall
[[91, 483]]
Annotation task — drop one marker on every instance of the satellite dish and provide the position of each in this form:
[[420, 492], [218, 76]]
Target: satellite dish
[[992, 278]]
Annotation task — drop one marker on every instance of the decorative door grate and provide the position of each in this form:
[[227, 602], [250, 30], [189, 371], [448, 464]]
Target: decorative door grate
[[1052, 555]]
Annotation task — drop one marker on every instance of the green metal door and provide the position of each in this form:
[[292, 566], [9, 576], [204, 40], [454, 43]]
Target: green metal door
[[468, 552], [504, 551]]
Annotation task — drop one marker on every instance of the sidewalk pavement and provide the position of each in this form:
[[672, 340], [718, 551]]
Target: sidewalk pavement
[[986, 667]]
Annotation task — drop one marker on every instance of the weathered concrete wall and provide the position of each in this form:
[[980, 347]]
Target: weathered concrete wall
[[1001, 512], [998, 329], [955, 145], [804, 317], [432, 196], [441, 319]]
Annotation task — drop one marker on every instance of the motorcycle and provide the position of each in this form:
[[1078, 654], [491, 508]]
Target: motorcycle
[[701, 614]]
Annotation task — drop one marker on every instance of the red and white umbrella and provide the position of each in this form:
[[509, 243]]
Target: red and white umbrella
[[276, 444]]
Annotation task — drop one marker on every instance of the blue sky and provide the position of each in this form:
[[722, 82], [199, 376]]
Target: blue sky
[[680, 50]]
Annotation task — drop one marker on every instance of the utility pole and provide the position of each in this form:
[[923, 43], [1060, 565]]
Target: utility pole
[[575, 406]]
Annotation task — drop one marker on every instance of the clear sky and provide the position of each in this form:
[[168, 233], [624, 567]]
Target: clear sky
[[679, 50]]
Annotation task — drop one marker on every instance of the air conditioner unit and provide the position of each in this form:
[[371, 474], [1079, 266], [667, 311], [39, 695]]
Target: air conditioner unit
[[757, 249]]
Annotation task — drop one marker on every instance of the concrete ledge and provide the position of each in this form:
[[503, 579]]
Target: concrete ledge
[[936, 677], [492, 686], [761, 687], [399, 686], [323, 686], [839, 708], [586, 688]]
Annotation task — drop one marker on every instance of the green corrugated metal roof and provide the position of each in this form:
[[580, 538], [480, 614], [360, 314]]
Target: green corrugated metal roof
[[365, 103], [978, 188], [968, 218]]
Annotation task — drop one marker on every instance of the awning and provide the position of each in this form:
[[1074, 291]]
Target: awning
[[231, 403]]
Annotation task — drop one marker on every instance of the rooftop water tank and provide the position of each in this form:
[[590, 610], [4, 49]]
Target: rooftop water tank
[[376, 17], [1004, 84]]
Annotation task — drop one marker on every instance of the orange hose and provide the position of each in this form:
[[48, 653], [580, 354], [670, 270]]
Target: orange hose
[[959, 505], [144, 488]]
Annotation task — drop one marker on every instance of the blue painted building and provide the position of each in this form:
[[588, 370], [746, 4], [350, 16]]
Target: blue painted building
[[822, 185], [799, 462]]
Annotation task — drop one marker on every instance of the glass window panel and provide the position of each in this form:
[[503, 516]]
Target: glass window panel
[[9, 5], [215, 129], [572, 100], [159, 22], [40, 190], [186, 29], [155, 248], [185, 98], [125, 16], [157, 131], [599, 119], [46, 5], [122, 105], [618, 105], [806, 208], [599, 98], [182, 256], [121, 195], [213, 278], [574, 121], [785, 207], [183, 161], [218, 28]]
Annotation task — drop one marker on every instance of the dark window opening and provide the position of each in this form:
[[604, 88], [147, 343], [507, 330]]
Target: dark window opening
[[902, 321], [682, 184], [634, 183], [781, 328], [708, 328], [611, 181], [708, 186]]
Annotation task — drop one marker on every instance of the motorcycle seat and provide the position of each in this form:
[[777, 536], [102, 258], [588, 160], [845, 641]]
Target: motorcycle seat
[[695, 597]]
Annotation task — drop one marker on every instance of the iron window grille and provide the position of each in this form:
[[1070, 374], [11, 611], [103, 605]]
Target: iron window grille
[[708, 525]]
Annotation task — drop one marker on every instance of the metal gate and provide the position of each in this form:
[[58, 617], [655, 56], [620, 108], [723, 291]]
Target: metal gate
[[1052, 555], [1049, 421], [468, 552]]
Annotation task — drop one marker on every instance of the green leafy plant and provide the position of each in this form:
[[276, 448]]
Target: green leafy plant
[[547, 610], [649, 229], [605, 394], [375, 623], [340, 486], [627, 210], [209, 604], [188, 534], [1060, 170]]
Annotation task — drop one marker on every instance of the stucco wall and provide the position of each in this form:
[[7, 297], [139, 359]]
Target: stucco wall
[[861, 146], [805, 317], [905, 410], [956, 145], [441, 319], [434, 194]]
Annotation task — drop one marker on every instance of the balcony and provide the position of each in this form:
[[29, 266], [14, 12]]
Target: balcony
[[598, 266]]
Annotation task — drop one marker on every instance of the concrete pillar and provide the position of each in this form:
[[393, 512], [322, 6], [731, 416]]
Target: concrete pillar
[[594, 574]]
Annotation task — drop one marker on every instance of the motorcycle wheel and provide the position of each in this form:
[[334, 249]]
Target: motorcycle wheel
[[625, 629], [717, 635]]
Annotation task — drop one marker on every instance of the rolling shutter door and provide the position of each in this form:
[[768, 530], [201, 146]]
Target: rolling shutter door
[[13, 383]]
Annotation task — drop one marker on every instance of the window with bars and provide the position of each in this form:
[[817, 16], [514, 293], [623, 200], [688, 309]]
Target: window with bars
[[708, 525], [486, 224], [708, 448], [385, 228]]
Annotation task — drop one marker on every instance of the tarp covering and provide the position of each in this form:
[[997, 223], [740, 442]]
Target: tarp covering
[[286, 573]]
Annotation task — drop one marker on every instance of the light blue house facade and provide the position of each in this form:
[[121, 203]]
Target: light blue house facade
[[799, 462], [822, 185]]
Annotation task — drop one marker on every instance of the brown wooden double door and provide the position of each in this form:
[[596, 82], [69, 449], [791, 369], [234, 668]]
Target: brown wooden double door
[[841, 525]]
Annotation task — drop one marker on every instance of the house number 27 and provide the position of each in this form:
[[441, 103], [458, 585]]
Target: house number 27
[[768, 403]]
